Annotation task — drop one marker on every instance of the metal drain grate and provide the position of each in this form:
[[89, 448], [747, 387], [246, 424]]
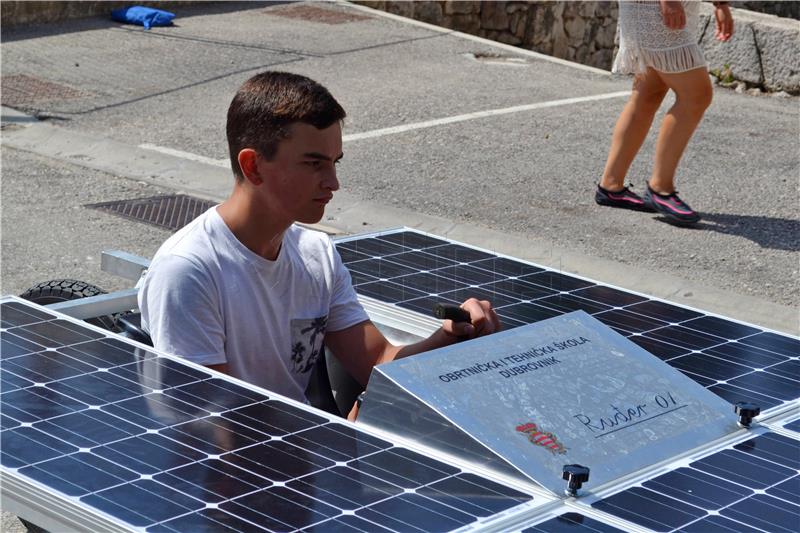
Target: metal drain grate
[[20, 89], [169, 211], [316, 14]]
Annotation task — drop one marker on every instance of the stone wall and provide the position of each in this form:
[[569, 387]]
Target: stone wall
[[782, 8], [576, 31], [764, 52]]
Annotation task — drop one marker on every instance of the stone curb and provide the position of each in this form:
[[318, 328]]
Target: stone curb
[[764, 50]]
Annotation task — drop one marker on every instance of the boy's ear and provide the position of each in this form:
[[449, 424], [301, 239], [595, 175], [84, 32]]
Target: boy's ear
[[248, 162]]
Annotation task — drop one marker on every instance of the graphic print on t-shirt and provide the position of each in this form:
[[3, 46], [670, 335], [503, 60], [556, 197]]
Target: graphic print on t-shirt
[[307, 337]]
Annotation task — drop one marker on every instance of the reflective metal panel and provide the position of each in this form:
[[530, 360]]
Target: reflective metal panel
[[562, 391]]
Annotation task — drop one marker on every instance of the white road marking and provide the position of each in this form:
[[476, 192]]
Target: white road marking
[[225, 163], [479, 114]]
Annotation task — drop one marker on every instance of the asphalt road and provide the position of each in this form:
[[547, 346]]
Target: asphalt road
[[60, 237], [520, 182], [528, 174]]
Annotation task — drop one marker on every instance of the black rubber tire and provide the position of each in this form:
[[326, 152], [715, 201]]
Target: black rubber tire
[[32, 528], [62, 290]]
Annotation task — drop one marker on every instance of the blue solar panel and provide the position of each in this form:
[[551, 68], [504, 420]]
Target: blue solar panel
[[738, 362], [750, 486], [164, 446]]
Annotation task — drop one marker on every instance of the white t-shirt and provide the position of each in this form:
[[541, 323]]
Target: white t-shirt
[[211, 300]]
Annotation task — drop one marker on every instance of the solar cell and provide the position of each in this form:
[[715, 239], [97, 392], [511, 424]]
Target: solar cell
[[662, 350], [12, 346], [210, 519], [781, 344], [163, 446], [86, 473], [472, 494], [55, 333], [788, 370], [737, 394], [430, 283], [421, 261], [18, 314], [458, 253], [11, 382], [519, 289], [380, 268], [389, 292], [738, 362], [566, 303]]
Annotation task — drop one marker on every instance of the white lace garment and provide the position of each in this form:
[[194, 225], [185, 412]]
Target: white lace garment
[[644, 40]]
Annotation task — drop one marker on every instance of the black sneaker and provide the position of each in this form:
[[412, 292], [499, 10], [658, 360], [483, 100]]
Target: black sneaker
[[626, 199], [671, 207]]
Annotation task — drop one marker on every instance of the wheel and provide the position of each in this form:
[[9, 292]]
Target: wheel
[[62, 290], [32, 528]]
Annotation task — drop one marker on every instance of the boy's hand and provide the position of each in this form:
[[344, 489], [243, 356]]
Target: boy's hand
[[673, 15], [483, 321], [722, 14]]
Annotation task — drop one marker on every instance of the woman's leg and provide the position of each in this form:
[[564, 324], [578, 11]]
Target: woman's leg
[[632, 127], [693, 94]]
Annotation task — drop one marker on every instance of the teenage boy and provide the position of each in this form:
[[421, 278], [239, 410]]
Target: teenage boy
[[244, 290]]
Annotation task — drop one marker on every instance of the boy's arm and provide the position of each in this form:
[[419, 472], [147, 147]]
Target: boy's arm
[[362, 346]]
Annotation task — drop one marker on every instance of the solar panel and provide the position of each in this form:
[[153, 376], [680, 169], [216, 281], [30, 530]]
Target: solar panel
[[157, 444], [737, 361], [750, 486], [147, 442]]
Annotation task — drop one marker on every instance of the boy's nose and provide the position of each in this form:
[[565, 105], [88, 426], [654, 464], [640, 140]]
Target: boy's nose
[[331, 181]]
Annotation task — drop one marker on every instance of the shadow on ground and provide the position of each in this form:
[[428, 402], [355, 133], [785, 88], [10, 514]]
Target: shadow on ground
[[768, 232]]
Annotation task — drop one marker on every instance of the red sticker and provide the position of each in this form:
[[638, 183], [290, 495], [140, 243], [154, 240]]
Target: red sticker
[[542, 438]]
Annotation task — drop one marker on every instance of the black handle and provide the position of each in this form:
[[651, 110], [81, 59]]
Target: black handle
[[451, 312]]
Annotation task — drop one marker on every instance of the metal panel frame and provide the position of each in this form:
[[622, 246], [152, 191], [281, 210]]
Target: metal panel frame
[[52, 511], [123, 264]]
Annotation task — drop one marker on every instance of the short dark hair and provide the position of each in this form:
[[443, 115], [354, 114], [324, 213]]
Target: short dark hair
[[267, 104]]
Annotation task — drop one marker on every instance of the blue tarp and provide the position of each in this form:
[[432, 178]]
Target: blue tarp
[[143, 16]]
